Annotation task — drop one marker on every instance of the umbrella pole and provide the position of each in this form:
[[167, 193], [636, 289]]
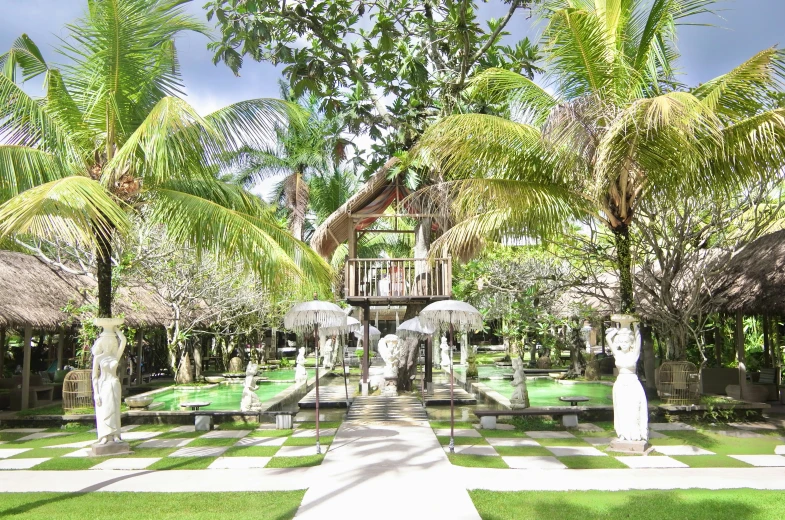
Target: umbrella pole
[[343, 366], [452, 401], [421, 372], [316, 341]]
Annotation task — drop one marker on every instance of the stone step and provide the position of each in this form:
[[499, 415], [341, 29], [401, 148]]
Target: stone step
[[332, 396], [381, 409]]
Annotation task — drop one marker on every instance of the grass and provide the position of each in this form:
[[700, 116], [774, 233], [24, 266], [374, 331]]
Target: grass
[[711, 461], [295, 462], [563, 442], [312, 425], [463, 441], [212, 442], [720, 444], [308, 441], [578, 462], [691, 504], [67, 463], [252, 451], [179, 435], [182, 463], [504, 434], [40, 453], [270, 433], [51, 441], [237, 425], [523, 451], [437, 425], [477, 461], [531, 423], [277, 505]]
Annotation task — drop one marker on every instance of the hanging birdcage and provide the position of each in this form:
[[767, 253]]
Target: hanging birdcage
[[77, 390], [679, 383]]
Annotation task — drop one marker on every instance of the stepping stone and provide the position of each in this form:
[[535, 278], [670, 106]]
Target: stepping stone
[[260, 441], [123, 429], [762, 461], [138, 436], [754, 426], [21, 463], [499, 441], [82, 444], [127, 463], [184, 429], [656, 435], [499, 426], [599, 441], [41, 435], [5, 453], [23, 430], [459, 432], [589, 427], [673, 426], [299, 451], [682, 450], [779, 450], [267, 426], [226, 434], [200, 451], [571, 451], [327, 432], [473, 450], [534, 463], [165, 443], [651, 462], [239, 463], [82, 452], [550, 435]]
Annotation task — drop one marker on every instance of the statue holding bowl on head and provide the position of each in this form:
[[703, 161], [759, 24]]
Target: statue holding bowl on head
[[107, 391]]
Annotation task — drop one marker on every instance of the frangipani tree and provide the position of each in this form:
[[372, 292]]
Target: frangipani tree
[[112, 137], [618, 128]]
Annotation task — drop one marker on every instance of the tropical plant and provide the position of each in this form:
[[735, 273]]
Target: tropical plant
[[111, 137], [618, 129]]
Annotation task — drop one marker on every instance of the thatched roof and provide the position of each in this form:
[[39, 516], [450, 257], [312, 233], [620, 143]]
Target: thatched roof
[[32, 292], [753, 281], [600, 296], [335, 230]]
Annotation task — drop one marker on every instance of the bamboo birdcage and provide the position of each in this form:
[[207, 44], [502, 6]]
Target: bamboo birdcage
[[679, 383], [77, 390]]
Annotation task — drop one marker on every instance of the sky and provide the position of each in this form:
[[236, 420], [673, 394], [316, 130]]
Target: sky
[[743, 28]]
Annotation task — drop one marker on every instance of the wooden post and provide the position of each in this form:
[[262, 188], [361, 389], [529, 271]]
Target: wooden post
[[26, 366], [2, 351], [366, 346], [719, 339], [316, 353], [139, 353], [739, 334], [766, 342], [429, 363], [452, 396], [60, 344]]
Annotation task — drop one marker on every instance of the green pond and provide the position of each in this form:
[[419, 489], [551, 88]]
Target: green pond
[[546, 391]]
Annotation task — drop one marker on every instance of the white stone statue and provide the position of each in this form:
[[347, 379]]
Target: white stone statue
[[445, 359], [630, 409], [250, 402], [389, 350], [107, 391], [300, 375], [327, 352], [520, 396]]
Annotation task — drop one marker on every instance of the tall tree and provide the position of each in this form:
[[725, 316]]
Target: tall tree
[[617, 129], [111, 137]]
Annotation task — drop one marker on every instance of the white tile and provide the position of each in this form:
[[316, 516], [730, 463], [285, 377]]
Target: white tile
[[327, 432], [81, 444], [762, 460], [261, 441], [138, 436], [779, 450], [682, 450], [165, 443], [651, 462], [459, 432], [656, 435], [599, 441], [754, 426], [21, 463], [200, 451], [82, 452], [7, 452], [517, 441], [226, 434], [571, 451], [473, 450], [299, 451], [22, 430], [41, 435], [239, 462], [673, 426], [550, 435], [127, 463], [588, 427], [184, 429], [534, 463]]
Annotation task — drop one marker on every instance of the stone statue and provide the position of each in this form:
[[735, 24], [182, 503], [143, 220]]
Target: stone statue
[[327, 352], [235, 365], [300, 375], [520, 396], [445, 359], [388, 349], [630, 409], [107, 391], [471, 367], [250, 401]]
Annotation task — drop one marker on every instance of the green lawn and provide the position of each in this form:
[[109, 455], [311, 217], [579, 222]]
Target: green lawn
[[295, 462], [577, 462], [692, 504], [278, 505], [477, 461], [720, 444]]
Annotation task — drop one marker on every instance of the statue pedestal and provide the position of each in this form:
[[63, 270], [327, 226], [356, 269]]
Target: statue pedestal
[[518, 406], [110, 448], [390, 387], [623, 446]]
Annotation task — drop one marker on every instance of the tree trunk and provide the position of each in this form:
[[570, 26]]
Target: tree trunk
[[719, 340], [407, 364], [647, 349], [621, 235], [104, 276]]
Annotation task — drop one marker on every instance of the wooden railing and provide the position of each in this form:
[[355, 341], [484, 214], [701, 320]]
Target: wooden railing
[[392, 278]]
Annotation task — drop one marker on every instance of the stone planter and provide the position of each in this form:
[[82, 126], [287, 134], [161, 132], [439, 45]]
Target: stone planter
[[138, 402], [215, 379]]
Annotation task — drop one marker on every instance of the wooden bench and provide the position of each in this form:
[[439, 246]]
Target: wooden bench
[[488, 417]]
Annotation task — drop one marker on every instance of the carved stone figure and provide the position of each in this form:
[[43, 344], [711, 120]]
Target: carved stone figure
[[300, 375], [327, 352], [471, 367], [388, 349], [630, 411], [107, 392], [235, 365], [520, 396], [445, 359], [250, 401]]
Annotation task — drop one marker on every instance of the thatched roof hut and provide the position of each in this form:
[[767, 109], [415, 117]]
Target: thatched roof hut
[[753, 281], [33, 293]]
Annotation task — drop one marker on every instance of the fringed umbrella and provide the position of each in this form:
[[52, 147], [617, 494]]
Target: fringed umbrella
[[352, 325], [413, 327], [451, 313], [307, 316]]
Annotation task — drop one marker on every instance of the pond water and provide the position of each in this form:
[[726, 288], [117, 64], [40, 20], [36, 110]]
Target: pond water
[[546, 391]]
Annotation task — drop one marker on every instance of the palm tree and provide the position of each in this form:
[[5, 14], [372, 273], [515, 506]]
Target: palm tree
[[112, 139], [618, 128]]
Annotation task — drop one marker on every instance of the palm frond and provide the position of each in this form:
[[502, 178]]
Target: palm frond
[[525, 96], [22, 168], [25, 57]]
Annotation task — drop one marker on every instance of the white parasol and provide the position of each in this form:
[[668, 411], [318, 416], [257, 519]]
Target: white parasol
[[373, 332], [413, 327]]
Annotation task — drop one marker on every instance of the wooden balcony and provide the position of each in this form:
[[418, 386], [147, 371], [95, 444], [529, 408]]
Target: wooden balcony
[[380, 280]]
